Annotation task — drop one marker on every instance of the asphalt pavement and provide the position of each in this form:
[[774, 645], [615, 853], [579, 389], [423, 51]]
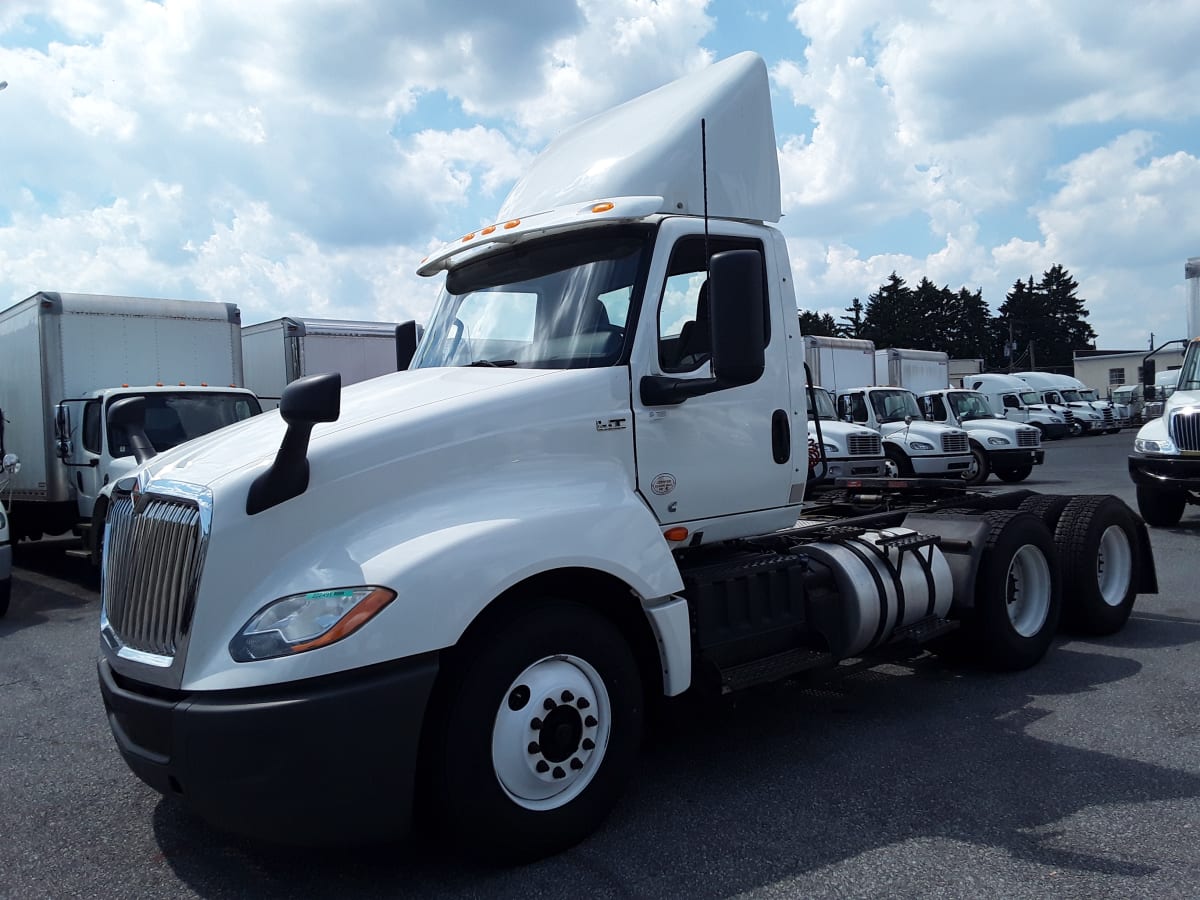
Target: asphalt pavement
[[1078, 778]]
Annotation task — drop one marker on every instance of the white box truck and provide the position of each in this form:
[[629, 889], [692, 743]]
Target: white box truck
[[483, 575], [838, 363], [66, 358], [277, 352], [918, 370]]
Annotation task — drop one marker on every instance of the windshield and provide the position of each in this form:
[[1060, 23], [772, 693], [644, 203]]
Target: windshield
[[1071, 396], [1189, 374], [893, 406], [1089, 395], [172, 419], [1030, 398], [824, 409], [558, 304], [968, 405]]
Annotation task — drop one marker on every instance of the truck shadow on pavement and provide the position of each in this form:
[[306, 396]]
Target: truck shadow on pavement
[[777, 784]]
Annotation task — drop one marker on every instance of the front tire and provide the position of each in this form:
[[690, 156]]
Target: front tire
[[1097, 537], [1159, 507], [1014, 475], [895, 463], [543, 724], [980, 466]]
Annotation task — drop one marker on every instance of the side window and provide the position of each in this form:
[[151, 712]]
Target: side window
[[684, 322], [91, 426], [939, 408], [1011, 402], [852, 405]]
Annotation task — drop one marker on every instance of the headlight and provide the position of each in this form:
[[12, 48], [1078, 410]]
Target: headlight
[[1141, 445], [307, 621], [998, 441], [1057, 420], [11, 463], [830, 448], [920, 445]]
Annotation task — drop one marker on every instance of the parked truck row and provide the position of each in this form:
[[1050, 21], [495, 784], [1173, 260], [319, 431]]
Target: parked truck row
[[455, 595]]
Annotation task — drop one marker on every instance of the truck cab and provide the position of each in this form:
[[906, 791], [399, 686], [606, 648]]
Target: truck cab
[[1015, 400], [98, 454], [912, 445], [1165, 464], [847, 451], [1058, 393], [1009, 449]]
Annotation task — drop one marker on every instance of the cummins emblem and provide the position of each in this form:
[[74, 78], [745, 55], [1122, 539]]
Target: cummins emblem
[[610, 424], [663, 484]]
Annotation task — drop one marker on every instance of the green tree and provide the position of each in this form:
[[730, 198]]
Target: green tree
[[1045, 322], [818, 323], [891, 318], [854, 322]]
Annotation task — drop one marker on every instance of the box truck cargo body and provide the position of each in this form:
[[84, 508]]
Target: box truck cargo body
[[65, 357], [277, 352], [917, 370], [839, 363]]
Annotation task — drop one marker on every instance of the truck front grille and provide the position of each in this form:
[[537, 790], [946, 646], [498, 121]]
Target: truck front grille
[[1185, 428], [1068, 416], [955, 443], [1109, 419], [865, 445], [151, 572], [1030, 438]]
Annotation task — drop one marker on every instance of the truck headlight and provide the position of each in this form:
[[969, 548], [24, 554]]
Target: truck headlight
[[306, 621], [1142, 445], [998, 441], [920, 445], [830, 448]]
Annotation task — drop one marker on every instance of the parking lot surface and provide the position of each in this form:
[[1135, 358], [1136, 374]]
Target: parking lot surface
[[1078, 778]]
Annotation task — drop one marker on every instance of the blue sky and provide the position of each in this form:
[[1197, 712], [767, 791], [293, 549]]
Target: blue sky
[[300, 158]]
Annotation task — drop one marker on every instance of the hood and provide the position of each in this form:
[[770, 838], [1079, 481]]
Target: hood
[[394, 398]]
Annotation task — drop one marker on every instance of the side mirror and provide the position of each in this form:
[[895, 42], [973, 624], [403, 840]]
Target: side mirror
[[408, 335], [735, 290], [62, 431], [129, 413], [1148, 372]]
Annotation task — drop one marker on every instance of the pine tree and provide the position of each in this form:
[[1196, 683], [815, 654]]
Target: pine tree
[[854, 322], [891, 318], [818, 323]]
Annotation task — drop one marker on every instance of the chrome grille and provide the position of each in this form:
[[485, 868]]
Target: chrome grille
[[1028, 437], [1185, 428], [1068, 416], [865, 445], [1109, 420], [152, 567], [954, 443]]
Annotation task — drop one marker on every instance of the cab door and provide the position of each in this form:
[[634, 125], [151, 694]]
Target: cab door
[[727, 452], [78, 426]]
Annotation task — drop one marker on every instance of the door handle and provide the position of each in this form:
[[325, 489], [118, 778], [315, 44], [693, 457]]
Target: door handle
[[781, 436]]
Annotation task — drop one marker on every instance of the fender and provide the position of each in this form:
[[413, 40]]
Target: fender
[[448, 551]]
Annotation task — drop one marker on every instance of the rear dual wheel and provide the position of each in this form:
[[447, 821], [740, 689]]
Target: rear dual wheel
[[1099, 546]]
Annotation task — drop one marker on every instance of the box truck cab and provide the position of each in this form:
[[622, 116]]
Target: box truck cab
[[1018, 402], [1165, 464], [911, 445], [1010, 449], [483, 575], [847, 451], [1058, 395]]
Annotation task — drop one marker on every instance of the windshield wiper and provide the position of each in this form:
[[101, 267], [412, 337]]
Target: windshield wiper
[[496, 363]]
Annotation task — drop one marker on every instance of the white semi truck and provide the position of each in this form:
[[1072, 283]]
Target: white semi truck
[[66, 358], [1165, 464], [1012, 398], [8, 464], [276, 353], [464, 588], [841, 450], [1059, 392], [1009, 449]]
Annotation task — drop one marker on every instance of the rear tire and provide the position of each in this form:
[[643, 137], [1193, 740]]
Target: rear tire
[[980, 467], [541, 729], [1160, 507], [1018, 598], [1097, 538], [1047, 507]]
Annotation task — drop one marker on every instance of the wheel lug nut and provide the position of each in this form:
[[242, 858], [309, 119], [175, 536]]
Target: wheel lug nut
[[590, 721], [542, 766], [576, 764], [588, 744], [534, 748], [536, 724], [548, 704], [567, 696], [558, 772], [583, 703]]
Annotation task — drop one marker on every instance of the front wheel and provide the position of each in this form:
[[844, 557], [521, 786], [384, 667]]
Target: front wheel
[[1020, 473], [980, 468], [1160, 507], [895, 463], [543, 723]]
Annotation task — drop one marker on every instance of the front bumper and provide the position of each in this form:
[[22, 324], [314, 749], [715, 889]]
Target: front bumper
[[855, 467], [331, 760], [935, 466], [1165, 471], [1016, 458], [1055, 430]]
